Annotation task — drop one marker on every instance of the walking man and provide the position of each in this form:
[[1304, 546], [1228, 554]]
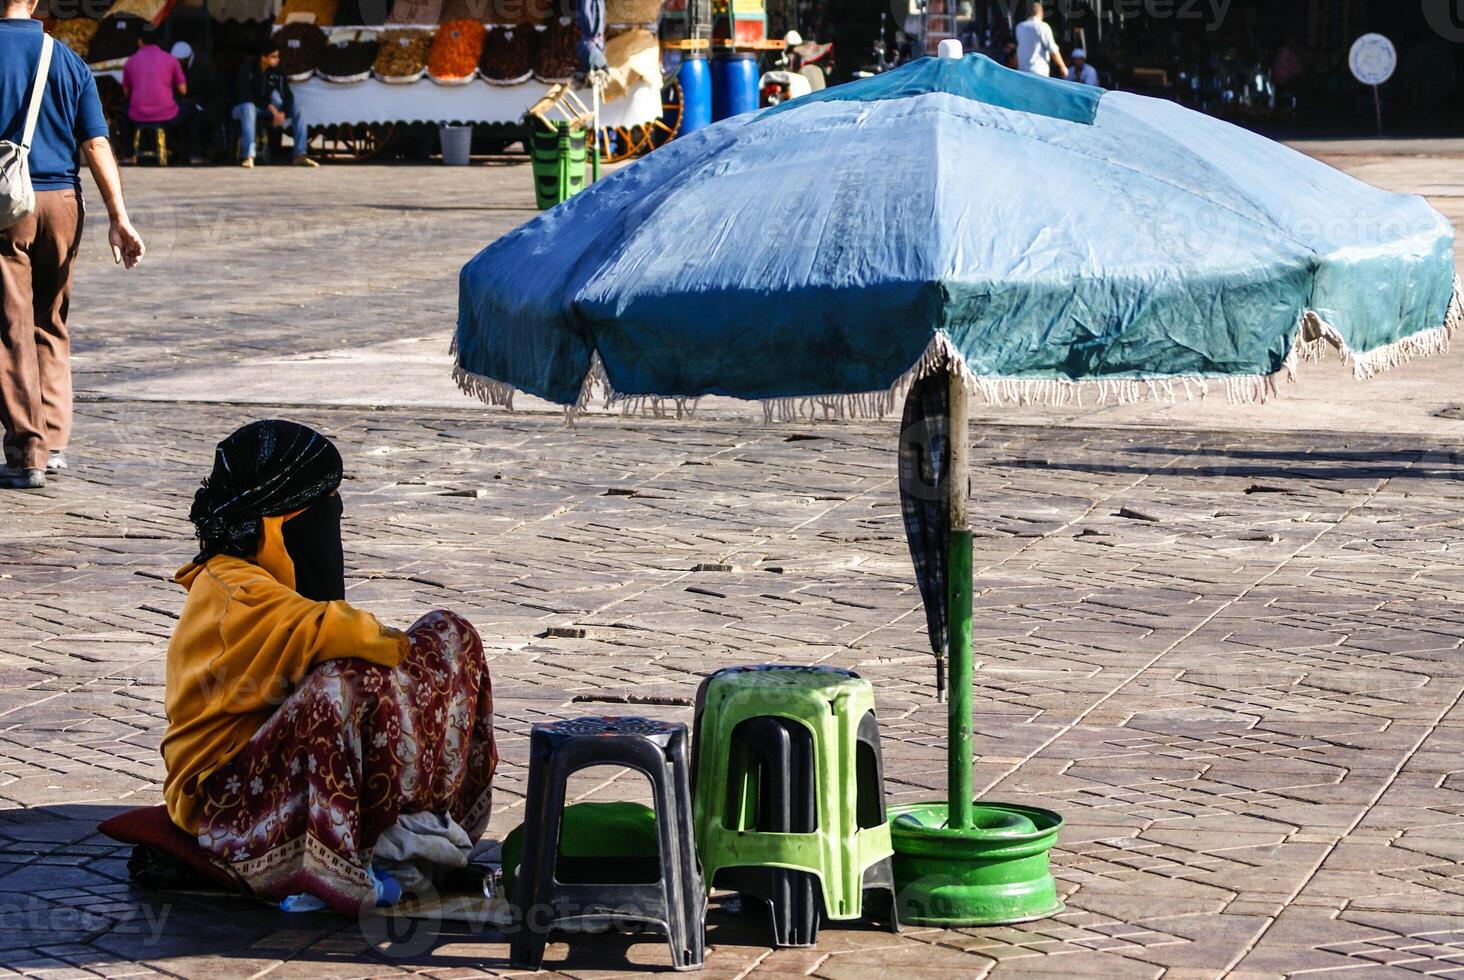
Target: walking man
[[1037, 50], [38, 252]]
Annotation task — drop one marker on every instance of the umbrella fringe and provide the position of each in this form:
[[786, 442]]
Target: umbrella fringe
[[1319, 337], [486, 390], [1315, 337], [646, 406]]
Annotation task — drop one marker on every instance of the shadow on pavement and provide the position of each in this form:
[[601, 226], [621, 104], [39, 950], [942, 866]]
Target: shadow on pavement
[[66, 885]]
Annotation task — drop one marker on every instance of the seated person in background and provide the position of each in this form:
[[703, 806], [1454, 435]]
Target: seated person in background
[[261, 92], [204, 95], [1081, 71], [299, 727], [150, 79]]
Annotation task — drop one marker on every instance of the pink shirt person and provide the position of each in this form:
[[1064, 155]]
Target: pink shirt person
[[149, 78]]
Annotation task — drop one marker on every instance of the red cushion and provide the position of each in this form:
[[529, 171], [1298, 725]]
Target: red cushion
[[152, 825]]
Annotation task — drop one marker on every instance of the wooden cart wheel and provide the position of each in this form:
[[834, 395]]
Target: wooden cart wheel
[[356, 142], [620, 143], [668, 127]]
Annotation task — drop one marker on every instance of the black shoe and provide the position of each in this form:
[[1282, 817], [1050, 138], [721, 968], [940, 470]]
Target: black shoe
[[18, 479]]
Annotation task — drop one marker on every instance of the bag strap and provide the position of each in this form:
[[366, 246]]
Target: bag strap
[[38, 91]]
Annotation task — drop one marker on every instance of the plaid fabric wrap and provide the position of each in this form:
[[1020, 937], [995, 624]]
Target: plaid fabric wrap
[[924, 464]]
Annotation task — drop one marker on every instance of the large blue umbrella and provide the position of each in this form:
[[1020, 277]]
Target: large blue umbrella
[[956, 228], [1034, 233]]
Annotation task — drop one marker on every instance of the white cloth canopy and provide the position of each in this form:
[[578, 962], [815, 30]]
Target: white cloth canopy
[[373, 101]]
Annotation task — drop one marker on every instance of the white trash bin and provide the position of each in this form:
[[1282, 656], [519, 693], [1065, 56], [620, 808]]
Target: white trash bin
[[457, 144]]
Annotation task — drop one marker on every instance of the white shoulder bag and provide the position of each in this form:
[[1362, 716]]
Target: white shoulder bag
[[17, 196]]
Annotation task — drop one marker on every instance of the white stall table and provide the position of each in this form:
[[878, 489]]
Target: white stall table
[[374, 101]]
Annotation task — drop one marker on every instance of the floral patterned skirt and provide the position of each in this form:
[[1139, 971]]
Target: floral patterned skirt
[[300, 808]]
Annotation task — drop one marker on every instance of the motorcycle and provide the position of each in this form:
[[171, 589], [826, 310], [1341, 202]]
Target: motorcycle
[[884, 58], [786, 80]]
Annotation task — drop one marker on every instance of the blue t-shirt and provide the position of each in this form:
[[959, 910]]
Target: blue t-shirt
[[71, 113]]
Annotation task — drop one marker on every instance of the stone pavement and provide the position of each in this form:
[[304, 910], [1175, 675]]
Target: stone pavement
[[1230, 659]]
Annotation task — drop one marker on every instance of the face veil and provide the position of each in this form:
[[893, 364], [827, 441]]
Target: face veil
[[313, 541]]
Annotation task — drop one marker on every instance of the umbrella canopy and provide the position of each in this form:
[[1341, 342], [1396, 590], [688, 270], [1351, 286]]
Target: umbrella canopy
[[1033, 234]]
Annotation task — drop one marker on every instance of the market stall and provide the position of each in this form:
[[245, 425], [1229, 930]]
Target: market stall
[[374, 101], [472, 74], [413, 62]]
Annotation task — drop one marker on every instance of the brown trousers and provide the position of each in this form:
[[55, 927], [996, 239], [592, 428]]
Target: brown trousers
[[36, 259]]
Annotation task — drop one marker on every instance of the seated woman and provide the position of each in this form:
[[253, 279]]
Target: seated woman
[[299, 727]]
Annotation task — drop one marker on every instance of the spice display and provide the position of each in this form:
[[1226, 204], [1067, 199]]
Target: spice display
[[508, 55], [415, 12], [321, 13], [456, 50], [76, 33], [632, 11], [116, 38], [556, 59], [301, 45], [148, 10], [402, 54], [349, 56]]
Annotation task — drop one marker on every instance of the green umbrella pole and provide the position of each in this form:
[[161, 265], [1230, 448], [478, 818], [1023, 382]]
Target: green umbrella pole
[[599, 135], [958, 609]]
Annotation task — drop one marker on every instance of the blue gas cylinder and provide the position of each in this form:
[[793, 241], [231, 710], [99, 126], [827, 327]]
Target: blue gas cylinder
[[696, 93], [734, 84]]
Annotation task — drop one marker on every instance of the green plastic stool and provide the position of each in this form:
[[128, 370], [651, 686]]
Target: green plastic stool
[[850, 850], [558, 162], [611, 841]]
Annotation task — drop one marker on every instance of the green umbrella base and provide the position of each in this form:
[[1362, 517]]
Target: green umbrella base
[[994, 873]]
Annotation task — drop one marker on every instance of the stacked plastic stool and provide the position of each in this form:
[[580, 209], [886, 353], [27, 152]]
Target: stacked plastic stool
[[156, 146], [676, 903], [789, 796]]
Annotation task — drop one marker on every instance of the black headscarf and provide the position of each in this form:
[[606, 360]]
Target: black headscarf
[[264, 470]]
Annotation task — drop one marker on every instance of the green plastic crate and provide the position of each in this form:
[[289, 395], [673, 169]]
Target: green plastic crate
[[559, 164]]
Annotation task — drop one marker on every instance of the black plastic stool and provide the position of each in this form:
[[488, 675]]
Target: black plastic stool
[[781, 751], [785, 804], [676, 903]]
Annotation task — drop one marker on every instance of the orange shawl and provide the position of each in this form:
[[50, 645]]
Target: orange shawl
[[245, 639]]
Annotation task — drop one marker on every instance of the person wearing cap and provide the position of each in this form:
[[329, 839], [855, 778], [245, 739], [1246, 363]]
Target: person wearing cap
[[156, 87], [262, 93], [1081, 71], [207, 97], [1037, 50]]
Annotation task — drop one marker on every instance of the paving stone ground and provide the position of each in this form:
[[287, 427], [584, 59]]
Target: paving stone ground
[[1230, 659]]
